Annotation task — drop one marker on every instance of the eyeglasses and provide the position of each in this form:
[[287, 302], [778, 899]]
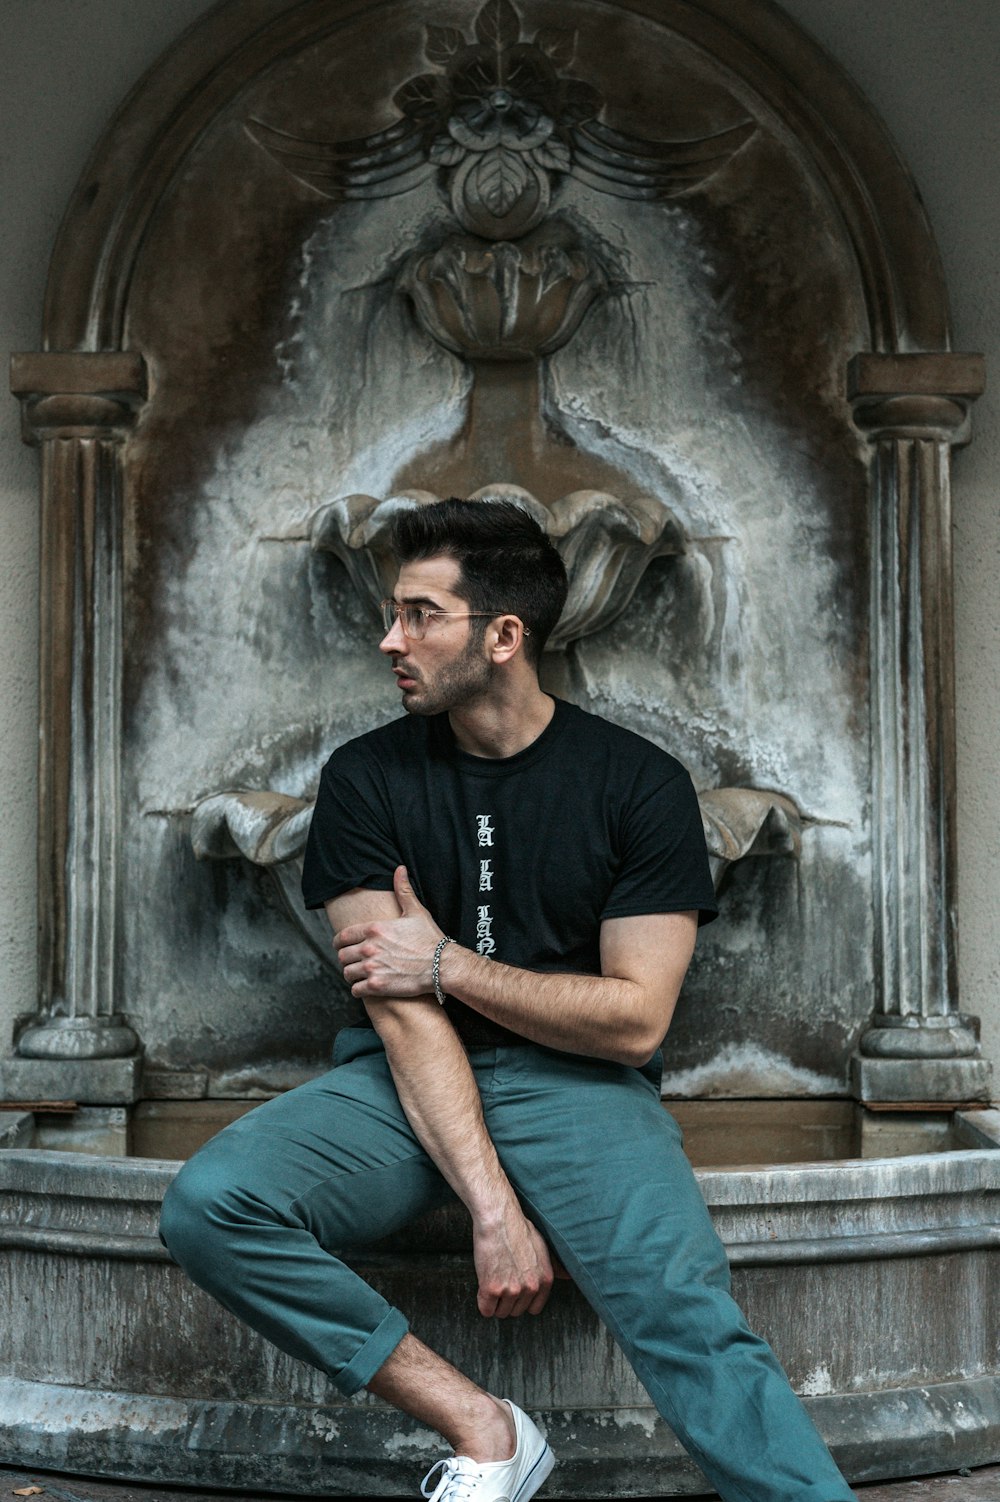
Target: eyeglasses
[[415, 619]]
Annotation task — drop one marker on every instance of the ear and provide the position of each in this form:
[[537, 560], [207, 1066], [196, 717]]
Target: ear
[[506, 636]]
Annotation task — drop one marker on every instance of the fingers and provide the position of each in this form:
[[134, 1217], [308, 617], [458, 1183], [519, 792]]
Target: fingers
[[349, 938], [358, 933], [513, 1281], [529, 1298], [393, 956], [353, 954], [540, 1300], [378, 959], [546, 1272], [354, 961], [405, 895]]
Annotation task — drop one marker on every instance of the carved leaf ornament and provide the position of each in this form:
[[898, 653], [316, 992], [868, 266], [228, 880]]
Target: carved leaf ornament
[[499, 180], [498, 25], [498, 123]]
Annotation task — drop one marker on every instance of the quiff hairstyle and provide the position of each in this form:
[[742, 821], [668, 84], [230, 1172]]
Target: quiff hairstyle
[[507, 565]]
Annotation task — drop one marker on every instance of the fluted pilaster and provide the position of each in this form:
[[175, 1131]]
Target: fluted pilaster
[[913, 409], [77, 408]]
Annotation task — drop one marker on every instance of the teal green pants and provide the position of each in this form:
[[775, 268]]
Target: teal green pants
[[599, 1169]]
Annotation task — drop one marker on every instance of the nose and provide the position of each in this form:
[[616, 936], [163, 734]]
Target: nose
[[394, 639]]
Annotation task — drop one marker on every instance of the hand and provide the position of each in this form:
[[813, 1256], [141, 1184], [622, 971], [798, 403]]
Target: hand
[[392, 958], [513, 1266]]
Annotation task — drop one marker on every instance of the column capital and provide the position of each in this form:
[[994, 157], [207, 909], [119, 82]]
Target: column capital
[[927, 395], [78, 393]]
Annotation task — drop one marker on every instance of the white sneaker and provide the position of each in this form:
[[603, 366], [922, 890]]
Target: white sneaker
[[513, 1480]]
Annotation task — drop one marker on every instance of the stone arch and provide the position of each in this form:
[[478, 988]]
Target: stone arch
[[817, 104]]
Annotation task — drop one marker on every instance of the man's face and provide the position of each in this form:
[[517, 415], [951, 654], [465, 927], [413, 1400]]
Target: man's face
[[449, 668]]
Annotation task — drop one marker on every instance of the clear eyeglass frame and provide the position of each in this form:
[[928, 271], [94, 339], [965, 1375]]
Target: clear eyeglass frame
[[415, 619]]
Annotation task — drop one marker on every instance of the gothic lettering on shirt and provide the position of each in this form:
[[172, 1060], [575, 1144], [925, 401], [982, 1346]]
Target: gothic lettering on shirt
[[485, 941], [484, 932]]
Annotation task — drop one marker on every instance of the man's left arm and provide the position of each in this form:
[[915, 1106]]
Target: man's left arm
[[620, 1015]]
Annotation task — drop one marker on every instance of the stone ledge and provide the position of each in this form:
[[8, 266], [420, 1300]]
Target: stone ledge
[[369, 1450], [958, 1080], [90, 1082]]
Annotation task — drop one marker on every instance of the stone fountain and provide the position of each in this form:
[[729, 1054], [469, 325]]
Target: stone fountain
[[662, 278]]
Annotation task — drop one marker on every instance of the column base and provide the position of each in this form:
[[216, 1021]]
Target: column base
[[53, 1037], [90, 1082], [957, 1080], [951, 1035]]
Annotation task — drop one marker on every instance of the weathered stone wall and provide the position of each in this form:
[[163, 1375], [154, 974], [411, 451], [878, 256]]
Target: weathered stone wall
[[73, 64]]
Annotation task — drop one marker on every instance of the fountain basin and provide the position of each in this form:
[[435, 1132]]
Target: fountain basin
[[874, 1278]]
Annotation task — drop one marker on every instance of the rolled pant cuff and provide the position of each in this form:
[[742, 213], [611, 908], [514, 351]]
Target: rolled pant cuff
[[379, 1346]]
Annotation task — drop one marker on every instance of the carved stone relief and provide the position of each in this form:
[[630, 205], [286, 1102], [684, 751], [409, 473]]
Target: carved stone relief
[[602, 261], [500, 122], [509, 309]]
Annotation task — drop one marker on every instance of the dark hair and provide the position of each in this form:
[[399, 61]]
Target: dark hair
[[506, 562]]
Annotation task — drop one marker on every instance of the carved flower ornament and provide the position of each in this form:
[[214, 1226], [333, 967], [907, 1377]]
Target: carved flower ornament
[[502, 301], [498, 122]]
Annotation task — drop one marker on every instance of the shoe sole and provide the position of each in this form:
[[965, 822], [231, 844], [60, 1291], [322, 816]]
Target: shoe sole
[[540, 1471]]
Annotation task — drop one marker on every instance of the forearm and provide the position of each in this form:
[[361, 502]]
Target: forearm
[[621, 1014], [438, 1092], [433, 1078], [599, 1015]]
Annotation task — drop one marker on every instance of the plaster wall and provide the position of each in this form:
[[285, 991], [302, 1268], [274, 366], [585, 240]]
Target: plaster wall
[[927, 69]]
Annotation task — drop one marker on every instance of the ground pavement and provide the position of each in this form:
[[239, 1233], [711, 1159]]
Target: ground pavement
[[981, 1485]]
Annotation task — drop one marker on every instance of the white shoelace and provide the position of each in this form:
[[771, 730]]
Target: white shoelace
[[459, 1475]]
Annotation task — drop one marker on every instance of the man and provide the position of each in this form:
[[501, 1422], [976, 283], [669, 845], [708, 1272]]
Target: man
[[515, 888]]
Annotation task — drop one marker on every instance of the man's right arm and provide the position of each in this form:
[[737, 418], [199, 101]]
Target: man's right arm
[[438, 1092]]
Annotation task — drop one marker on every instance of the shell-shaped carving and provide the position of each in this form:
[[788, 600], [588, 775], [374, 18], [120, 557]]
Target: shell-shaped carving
[[748, 821], [267, 828], [270, 830], [605, 542]]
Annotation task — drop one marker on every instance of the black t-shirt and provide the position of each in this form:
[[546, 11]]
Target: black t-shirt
[[518, 858]]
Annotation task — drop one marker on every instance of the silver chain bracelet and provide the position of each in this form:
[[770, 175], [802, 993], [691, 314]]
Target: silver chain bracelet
[[436, 968]]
